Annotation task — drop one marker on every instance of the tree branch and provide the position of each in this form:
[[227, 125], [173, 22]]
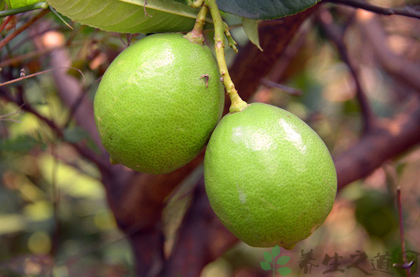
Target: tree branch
[[84, 151], [405, 11], [388, 138], [336, 36], [375, 36], [23, 28], [202, 238]]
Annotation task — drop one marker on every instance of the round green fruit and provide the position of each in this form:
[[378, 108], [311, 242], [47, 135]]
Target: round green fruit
[[270, 179], [158, 103]]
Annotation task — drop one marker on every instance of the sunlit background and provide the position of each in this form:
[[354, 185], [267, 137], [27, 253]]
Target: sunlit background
[[43, 179]]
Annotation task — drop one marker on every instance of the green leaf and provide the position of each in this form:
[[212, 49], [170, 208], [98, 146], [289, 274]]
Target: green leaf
[[20, 144], [275, 251], [263, 9], [128, 16], [182, 1], [251, 30], [13, 4], [265, 265], [75, 135], [283, 260], [284, 271], [268, 257]]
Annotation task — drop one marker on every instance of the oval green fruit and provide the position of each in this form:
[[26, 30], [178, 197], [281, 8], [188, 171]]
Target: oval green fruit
[[158, 103], [270, 179]]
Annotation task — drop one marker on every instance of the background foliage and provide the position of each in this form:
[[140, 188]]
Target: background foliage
[[54, 209]]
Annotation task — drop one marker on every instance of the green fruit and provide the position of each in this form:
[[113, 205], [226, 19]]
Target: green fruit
[[155, 107], [269, 177], [128, 16]]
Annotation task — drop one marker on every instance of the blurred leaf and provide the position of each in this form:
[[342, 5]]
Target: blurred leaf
[[182, 1], [75, 134], [376, 212], [39, 211], [19, 144], [284, 271], [11, 223], [69, 180], [262, 9], [283, 260], [29, 265], [268, 257], [265, 265], [251, 29], [275, 251]]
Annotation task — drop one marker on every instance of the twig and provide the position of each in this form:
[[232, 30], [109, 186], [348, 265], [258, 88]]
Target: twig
[[404, 254], [84, 151], [284, 88], [399, 67], [144, 8], [196, 35], [74, 107], [56, 207], [60, 17], [335, 35], [27, 56], [386, 140], [405, 11], [5, 22], [4, 116], [22, 28], [41, 72]]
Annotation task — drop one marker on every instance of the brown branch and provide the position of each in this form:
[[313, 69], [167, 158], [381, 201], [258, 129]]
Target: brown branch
[[374, 35], [405, 11], [202, 238], [336, 36], [28, 56], [388, 138], [84, 151], [23, 28], [251, 65], [286, 89]]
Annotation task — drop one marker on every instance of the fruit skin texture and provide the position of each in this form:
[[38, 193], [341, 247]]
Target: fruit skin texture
[[269, 177], [153, 109]]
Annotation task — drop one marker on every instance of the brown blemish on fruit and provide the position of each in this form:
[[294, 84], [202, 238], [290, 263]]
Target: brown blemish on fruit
[[206, 77]]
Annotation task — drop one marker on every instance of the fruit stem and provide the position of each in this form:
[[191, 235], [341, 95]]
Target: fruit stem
[[195, 3], [196, 35], [237, 104]]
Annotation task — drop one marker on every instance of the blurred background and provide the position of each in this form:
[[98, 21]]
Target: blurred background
[[55, 217]]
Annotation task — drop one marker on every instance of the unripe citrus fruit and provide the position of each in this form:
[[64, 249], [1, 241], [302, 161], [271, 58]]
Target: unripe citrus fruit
[[158, 103], [270, 179]]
